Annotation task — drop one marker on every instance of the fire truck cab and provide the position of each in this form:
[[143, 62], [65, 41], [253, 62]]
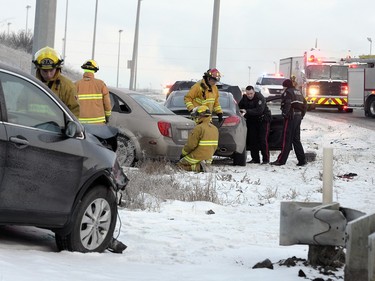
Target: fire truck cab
[[325, 82]]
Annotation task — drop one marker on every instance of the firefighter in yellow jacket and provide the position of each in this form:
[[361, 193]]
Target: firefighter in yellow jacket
[[48, 63], [201, 144], [93, 96], [205, 92]]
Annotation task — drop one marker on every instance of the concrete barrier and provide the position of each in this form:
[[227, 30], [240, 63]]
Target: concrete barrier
[[358, 254], [371, 257]]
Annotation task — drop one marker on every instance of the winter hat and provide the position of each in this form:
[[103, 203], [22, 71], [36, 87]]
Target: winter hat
[[288, 83]]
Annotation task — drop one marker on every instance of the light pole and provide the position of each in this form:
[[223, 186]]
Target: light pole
[[133, 70], [214, 33], [93, 40], [27, 17], [275, 67], [118, 57], [249, 67], [66, 25], [370, 40]]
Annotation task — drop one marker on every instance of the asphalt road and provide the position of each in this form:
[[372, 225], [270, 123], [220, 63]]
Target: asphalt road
[[357, 117]]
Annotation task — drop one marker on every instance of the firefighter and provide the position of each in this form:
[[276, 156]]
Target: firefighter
[[205, 92], [93, 96], [48, 64], [258, 116], [201, 144], [293, 108]]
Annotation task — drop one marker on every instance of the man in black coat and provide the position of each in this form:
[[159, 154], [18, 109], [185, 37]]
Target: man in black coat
[[258, 116], [293, 109]]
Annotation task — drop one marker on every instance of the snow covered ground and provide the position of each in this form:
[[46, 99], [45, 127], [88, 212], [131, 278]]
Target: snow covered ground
[[180, 241]]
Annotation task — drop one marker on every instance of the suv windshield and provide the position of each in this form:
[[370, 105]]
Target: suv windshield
[[272, 81]]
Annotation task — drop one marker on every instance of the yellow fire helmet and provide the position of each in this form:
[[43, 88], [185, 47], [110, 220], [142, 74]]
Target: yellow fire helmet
[[90, 65], [47, 58]]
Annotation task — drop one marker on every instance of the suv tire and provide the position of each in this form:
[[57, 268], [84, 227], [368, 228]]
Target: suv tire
[[92, 224]]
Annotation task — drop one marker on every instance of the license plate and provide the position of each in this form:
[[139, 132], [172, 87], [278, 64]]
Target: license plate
[[184, 134]]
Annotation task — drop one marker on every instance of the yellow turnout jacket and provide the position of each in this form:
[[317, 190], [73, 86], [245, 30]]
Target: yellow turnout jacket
[[200, 94], [64, 89], [93, 96], [202, 142]]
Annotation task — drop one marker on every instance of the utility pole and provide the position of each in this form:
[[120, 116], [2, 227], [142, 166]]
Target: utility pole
[[27, 19], [66, 26], [370, 40], [94, 37], [134, 62], [249, 74], [44, 27], [214, 34], [118, 57]]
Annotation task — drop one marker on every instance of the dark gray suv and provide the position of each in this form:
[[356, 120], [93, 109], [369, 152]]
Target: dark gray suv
[[53, 174]]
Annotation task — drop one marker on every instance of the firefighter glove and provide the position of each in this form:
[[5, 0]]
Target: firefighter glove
[[220, 116]]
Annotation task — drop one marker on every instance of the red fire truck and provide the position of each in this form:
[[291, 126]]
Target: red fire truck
[[324, 81]]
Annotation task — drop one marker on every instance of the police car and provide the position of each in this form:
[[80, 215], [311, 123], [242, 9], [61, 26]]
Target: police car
[[270, 85]]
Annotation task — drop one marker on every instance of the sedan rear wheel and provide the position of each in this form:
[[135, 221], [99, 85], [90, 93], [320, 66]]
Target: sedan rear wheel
[[126, 156], [93, 222]]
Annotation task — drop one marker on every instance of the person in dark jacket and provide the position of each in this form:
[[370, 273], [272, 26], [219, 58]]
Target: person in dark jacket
[[293, 108], [258, 116]]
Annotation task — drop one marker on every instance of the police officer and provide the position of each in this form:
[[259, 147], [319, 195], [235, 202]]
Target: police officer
[[201, 144], [258, 117], [205, 92], [293, 108], [48, 64], [93, 96]]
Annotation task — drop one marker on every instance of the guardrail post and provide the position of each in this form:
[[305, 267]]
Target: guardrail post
[[371, 257], [327, 175], [358, 253]]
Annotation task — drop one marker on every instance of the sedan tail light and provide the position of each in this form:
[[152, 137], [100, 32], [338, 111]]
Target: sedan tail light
[[165, 128], [231, 121]]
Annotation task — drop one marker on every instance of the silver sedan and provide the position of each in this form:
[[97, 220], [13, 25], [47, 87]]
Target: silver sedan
[[147, 129]]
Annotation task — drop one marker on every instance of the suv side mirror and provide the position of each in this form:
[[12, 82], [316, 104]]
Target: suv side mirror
[[73, 129], [257, 83]]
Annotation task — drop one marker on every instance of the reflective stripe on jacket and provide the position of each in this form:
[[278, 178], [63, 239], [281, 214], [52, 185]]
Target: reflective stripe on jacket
[[64, 89], [93, 96], [202, 142], [199, 94]]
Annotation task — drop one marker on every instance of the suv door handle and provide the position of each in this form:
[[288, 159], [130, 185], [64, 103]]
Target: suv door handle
[[19, 141]]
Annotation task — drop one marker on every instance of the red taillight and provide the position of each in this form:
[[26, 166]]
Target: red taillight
[[344, 89], [231, 121], [165, 128]]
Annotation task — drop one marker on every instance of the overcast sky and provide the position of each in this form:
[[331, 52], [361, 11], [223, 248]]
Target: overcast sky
[[175, 35]]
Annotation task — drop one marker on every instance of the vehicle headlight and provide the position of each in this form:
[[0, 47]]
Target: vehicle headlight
[[265, 91], [313, 91]]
